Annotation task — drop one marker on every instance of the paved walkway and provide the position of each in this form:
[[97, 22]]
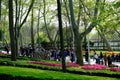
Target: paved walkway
[[91, 61], [94, 62], [116, 63]]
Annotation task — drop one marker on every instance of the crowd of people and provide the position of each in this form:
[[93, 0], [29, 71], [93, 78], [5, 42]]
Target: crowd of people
[[69, 55], [106, 59], [49, 54]]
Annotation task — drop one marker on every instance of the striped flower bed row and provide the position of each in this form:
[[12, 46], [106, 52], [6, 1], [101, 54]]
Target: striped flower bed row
[[94, 67], [53, 64], [85, 67]]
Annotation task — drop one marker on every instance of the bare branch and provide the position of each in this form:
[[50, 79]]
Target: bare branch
[[30, 7]]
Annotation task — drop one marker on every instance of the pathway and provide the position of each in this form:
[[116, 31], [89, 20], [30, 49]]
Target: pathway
[[93, 62]]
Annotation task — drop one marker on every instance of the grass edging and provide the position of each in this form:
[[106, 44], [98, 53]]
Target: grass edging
[[91, 73], [11, 77]]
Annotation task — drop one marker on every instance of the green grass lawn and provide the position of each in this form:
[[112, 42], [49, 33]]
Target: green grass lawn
[[46, 74]]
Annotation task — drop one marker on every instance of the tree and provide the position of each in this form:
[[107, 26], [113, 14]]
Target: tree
[[61, 35], [52, 40], [79, 36], [76, 35], [11, 30], [108, 19], [19, 21]]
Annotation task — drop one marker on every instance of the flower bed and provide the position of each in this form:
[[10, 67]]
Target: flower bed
[[116, 69], [53, 64], [94, 67], [3, 52], [85, 67]]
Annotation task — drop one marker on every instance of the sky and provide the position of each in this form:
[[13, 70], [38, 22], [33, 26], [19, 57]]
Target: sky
[[111, 0]]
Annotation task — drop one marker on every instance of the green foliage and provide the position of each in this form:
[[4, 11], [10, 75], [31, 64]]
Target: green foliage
[[108, 18], [38, 40], [42, 38], [117, 4], [105, 14]]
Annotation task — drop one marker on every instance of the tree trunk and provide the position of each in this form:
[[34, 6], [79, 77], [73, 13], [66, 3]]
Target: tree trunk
[[61, 35], [78, 45], [38, 28], [78, 40], [32, 35], [21, 41], [11, 30], [0, 10], [72, 34], [67, 37], [16, 32]]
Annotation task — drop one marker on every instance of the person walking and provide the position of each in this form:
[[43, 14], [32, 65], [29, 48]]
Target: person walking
[[109, 61], [101, 58], [95, 56]]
